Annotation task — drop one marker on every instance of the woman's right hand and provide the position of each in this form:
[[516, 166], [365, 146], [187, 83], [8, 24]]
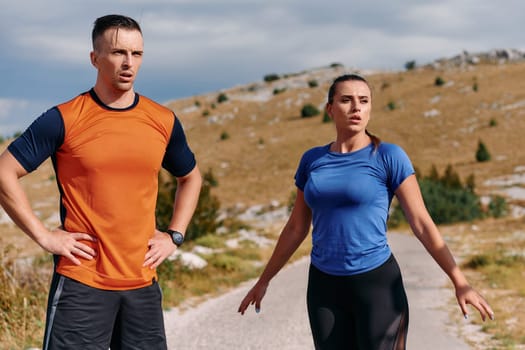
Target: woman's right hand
[[254, 296]]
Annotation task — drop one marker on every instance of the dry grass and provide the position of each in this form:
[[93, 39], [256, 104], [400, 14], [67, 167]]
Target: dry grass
[[493, 255], [256, 164]]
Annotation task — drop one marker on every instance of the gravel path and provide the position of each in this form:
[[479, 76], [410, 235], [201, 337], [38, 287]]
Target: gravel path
[[283, 321]]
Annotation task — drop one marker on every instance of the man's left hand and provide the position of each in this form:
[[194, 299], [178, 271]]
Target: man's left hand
[[160, 247]]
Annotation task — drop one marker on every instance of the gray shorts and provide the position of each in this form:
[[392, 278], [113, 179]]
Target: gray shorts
[[83, 317]]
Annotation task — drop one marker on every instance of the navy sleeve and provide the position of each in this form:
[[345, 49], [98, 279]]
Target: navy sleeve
[[179, 160], [39, 141]]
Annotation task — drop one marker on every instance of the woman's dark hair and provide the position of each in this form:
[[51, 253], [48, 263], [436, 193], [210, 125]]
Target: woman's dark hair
[[112, 21], [352, 77]]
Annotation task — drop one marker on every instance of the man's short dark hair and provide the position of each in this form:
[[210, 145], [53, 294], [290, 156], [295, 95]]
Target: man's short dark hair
[[113, 21]]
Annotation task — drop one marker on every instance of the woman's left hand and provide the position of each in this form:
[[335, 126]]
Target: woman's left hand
[[467, 295]]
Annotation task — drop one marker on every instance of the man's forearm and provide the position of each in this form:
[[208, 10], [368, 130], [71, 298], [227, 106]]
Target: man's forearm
[[186, 199]]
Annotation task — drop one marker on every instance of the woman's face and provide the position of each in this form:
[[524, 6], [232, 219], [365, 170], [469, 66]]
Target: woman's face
[[351, 106]]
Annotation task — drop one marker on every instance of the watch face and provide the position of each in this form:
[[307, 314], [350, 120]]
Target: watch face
[[177, 237]]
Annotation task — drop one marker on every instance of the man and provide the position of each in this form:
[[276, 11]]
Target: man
[[107, 146]]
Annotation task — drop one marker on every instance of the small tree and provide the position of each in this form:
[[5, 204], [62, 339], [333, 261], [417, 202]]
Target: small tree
[[271, 77], [410, 65], [482, 154], [391, 105], [498, 207], [313, 83], [309, 110], [222, 98], [439, 81], [205, 218]]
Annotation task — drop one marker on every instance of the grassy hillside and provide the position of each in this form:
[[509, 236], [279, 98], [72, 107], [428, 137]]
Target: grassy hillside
[[253, 139], [263, 135]]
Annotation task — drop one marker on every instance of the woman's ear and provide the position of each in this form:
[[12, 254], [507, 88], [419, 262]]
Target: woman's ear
[[328, 109]]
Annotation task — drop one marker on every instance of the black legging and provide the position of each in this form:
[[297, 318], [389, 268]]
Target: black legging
[[368, 311]]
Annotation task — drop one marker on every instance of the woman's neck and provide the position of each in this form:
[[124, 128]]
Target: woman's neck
[[350, 144]]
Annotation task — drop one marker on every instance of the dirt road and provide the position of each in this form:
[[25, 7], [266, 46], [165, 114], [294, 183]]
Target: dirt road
[[283, 323]]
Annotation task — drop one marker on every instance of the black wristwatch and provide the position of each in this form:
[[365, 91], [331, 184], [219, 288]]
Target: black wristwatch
[[176, 237]]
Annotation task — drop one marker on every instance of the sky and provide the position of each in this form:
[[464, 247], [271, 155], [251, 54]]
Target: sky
[[199, 46]]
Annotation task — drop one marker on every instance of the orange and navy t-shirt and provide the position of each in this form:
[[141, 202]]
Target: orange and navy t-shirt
[[107, 163]]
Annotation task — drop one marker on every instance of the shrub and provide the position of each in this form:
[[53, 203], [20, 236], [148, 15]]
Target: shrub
[[482, 153], [277, 91], [410, 65], [391, 106], [498, 207], [271, 77], [225, 135], [493, 122], [313, 83], [439, 81], [309, 110], [205, 218], [449, 204], [222, 98], [446, 199]]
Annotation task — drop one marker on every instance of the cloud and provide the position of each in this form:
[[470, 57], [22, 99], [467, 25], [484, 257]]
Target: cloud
[[17, 114], [196, 46]]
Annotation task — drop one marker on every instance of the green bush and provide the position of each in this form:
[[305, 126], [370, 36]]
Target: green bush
[[309, 110], [449, 204], [439, 81], [446, 198], [313, 83], [482, 153], [271, 77], [498, 207], [222, 98], [391, 106], [225, 135], [410, 65], [205, 219]]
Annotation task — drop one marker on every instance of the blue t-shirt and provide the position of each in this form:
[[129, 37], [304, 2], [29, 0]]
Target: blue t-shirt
[[350, 195]]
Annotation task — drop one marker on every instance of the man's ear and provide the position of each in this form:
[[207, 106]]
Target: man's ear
[[93, 58]]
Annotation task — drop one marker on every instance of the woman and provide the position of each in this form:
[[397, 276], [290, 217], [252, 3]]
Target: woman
[[356, 298]]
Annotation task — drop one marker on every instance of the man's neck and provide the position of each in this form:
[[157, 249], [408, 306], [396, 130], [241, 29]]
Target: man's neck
[[115, 98]]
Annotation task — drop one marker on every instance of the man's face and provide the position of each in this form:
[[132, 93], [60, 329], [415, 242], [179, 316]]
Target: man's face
[[118, 55]]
